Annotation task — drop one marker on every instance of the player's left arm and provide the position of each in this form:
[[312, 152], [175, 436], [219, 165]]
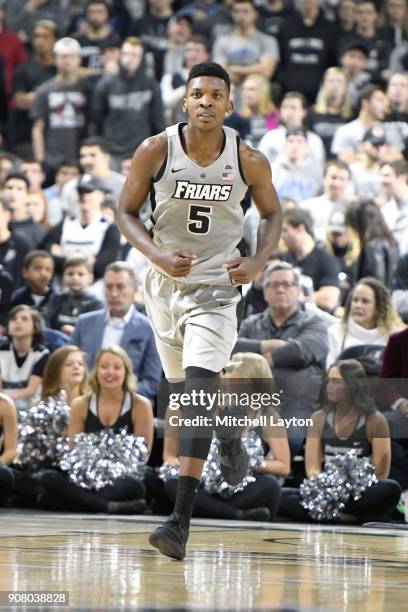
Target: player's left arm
[[258, 176]]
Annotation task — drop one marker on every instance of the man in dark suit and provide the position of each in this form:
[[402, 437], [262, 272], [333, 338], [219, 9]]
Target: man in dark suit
[[121, 324]]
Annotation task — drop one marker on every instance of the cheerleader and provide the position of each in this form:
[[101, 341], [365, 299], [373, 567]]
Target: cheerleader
[[349, 420], [112, 404]]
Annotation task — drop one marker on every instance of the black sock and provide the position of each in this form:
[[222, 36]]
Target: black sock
[[186, 493]]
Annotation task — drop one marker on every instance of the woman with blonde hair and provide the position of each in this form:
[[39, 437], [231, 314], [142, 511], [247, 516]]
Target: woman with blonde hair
[[259, 500], [113, 404], [258, 107], [65, 371], [369, 318], [332, 108]]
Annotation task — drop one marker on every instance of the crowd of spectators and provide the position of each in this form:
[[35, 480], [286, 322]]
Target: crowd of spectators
[[321, 88]]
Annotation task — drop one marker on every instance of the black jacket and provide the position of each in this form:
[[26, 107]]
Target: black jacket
[[379, 259], [306, 52], [127, 109], [65, 308], [298, 365]]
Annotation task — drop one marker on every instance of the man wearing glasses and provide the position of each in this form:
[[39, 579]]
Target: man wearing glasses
[[293, 341]]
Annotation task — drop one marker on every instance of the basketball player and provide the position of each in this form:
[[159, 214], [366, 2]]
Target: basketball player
[[197, 175]]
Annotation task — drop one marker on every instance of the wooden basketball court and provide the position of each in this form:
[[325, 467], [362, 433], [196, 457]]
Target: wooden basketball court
[[106, 563]]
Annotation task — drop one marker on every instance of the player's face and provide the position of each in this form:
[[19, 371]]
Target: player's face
[[111, 371], [207, 102]]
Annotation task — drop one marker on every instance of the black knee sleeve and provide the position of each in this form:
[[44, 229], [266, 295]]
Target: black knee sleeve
[[195, 440]]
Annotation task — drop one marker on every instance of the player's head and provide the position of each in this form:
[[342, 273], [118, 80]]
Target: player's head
[[207, 99]]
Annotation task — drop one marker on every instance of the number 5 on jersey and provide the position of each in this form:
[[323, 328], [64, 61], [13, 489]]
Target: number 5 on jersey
[[199, 219]]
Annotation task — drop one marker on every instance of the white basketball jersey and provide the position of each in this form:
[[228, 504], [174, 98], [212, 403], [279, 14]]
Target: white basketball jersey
[[198, 209]]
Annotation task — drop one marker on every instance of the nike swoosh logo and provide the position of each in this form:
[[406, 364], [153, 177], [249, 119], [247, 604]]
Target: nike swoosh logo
[[179, 170]]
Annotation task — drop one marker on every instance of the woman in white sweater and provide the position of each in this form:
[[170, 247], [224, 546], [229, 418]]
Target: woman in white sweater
[[369, 318]]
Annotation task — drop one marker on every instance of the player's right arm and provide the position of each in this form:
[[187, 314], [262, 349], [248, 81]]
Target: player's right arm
[[146, 163]]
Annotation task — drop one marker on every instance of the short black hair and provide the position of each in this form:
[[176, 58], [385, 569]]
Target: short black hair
[[211, 69], [299, 216], [32, 255], [95, 141], [367, 92], [17, 175]]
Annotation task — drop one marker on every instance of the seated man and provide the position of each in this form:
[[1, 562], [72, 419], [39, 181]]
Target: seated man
[[90, 233], [311, 258], [295, 174], [295, 344], [336, 197], [120, 323]]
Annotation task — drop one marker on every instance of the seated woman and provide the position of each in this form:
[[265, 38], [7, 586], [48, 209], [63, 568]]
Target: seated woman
[[65, 371], [258, 107], [369, 318], [349, 420], [259, 500], [23, 356], [332, 108], [8, 444], [113, 404]]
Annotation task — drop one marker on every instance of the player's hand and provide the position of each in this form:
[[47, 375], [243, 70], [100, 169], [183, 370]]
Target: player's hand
[[175, 263], [242, 270]]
